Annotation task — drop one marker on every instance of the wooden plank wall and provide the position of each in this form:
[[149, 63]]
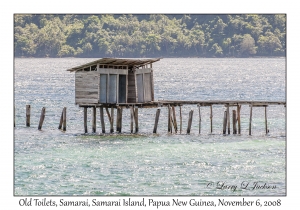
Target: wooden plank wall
[[86, 87], [131, 88]]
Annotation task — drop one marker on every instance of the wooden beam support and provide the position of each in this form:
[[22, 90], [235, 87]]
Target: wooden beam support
[[94, 120], [211, 122], [174, 119], [266, 120], [224, 122], [112, 120], [119, 119], [136, 119], [131, 119], [250, 122], [156, 120], [27, 115], [190, 122], [234, 130], [42, 118], [180, 119], [64, 118], [102, 119], [199, 118], [228, 120], [169, 120], [239, 118], [85, 119]]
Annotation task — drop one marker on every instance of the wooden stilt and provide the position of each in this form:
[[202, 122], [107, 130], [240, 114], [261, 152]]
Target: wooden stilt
[[224, 122], [131, 119], [119, 119], [102, 118], [94, 120], [250, 120], [14, 116], [169, 120], [156, 120], [190, 121], [27, 115], [199, 118], [42, 118], [211, 116], [65, 119], [228, 119], [174, 119], [234, 130], [266, 122], [136, 119], [85, 119], [239, 118], [61, 120], [112, 120], [180, 119]]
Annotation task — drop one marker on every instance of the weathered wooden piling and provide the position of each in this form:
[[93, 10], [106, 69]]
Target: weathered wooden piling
[[250, 122], [190, 121], [266, 121], [224, 122], [61, 119], [27, 115], [136, 119], [156, 120], [239, 118], [112, 120], [131, 119], [102, 118], [174, 119], [169, 120], [85, 119], [42, 118], [211, 117], [119, 119], [199, 118], [94, 120], [64, 118], [180, 119], [234, 130], [228, 119]]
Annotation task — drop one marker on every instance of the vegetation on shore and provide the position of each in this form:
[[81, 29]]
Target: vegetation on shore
[[154, 35]]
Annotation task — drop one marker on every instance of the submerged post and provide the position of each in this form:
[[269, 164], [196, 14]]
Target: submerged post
[[27, 115], [239, 118], [224, 122], [266, 122], [85, 119], [211, 116], [156, 120], [112, 120], [199, 118], [180, 119], [190, 121], [94, 120], [136, 119], [250, 122], [234, 131], [228, 119], [61, 120], [42, 118], [174, 119], [102, 118], [64, 118]]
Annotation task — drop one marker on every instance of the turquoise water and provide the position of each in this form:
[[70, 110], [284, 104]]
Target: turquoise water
[[51, 162]]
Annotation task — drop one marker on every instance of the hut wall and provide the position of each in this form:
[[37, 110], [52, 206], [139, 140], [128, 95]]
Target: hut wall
[[131, 88], [144, 84], [86, 87]]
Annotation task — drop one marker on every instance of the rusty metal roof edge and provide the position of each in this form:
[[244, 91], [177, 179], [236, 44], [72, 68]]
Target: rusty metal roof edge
[[137, 61]]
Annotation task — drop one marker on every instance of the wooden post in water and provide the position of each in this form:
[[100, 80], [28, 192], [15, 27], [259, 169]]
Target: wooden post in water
[[174, 119], [85, 119], [169, 120], [131, 119], [234, 131], [136, 119], [180, 119], [61, 120], [102, 118], [27, 115], [42, 118], [228, 119], [190, 121], [94, 120], [224, 122], [250, 119], [112, 120], [156, 120], [266, 122], [239, 118], [64, 118], [119, 119], [199, 118], [211, 116]]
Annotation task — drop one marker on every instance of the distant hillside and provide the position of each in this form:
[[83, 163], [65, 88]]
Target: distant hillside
[[149, 35]]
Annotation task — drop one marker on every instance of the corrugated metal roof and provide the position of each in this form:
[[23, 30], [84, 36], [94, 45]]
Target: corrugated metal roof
[[117, 61]]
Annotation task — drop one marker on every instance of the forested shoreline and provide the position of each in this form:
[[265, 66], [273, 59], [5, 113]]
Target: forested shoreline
[[155, 35]]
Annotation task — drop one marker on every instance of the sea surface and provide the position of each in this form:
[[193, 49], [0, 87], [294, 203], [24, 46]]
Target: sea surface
[[52, 162]]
